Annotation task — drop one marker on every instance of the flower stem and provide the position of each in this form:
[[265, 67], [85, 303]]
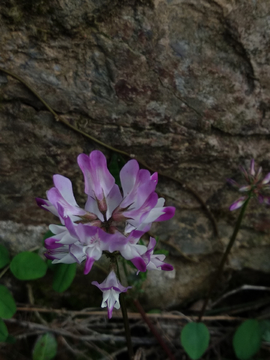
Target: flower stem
[[154, 330], [125, 318], [224, 258]]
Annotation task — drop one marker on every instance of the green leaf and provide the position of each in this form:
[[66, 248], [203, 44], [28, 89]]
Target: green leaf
[[10, 339], [63, 276], [195, 339], [161, 251], [28, 266], [4, 256], [247, 339], [265, 328], [45, 348], [116, 164], [7, 303], [3, 331], [154, 311]]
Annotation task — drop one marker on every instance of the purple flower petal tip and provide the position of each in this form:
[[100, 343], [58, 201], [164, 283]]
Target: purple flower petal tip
[[245, 188], [238, 203], [167, 267], [40, 202], [110, 310], [252, 167], [266, 180], [88, 265], [51, 244], [139, 263], [169, 212], [232, 182]]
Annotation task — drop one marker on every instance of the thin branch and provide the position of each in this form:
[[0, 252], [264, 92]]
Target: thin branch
[[244, 287], [31, 300], [74, 351], [4, 271], [118, 315], [114, 354], [99, 337], [92, 345], [153, 330]]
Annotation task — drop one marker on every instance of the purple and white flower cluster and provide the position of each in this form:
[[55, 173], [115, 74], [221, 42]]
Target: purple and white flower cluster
[[111, 220], [255, 186]]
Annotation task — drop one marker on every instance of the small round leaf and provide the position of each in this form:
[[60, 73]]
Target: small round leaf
[[63, 276], [247, 339], [28, 266], [3, 331], [195, 339], [4, 256], [7, 303], [45, 347]]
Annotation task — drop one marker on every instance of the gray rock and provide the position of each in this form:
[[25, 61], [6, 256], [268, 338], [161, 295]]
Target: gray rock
[[182, 84]]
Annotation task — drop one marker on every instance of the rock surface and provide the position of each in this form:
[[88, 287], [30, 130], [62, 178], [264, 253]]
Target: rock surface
[[184, 85]]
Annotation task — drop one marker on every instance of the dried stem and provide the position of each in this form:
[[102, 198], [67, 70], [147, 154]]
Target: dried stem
[[153, 330]]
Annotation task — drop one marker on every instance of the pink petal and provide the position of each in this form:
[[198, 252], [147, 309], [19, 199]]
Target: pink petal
[[245, 188], [110, 310], [139, 263], [51, 243], [46, 205], [168, 213], [266, 179], [114, 198], [77, 252], [98, 180], [128, 175], [252, 168], [232, 182], [64, 186], [264, 199], [243, 170], [238, 203], [166, 267], [261, 199], [259, 174], [151, 245], [88, 265]]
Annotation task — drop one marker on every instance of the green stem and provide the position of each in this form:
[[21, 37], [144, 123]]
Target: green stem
[[4, 271], [224, 257], [125, 318], [125, 271]]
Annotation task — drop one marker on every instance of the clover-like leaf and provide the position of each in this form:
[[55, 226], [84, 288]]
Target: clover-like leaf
[[3, 331], [45, 348], [195, 339], [28, 266], [63, 276], [7, 303], [247, 339]]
